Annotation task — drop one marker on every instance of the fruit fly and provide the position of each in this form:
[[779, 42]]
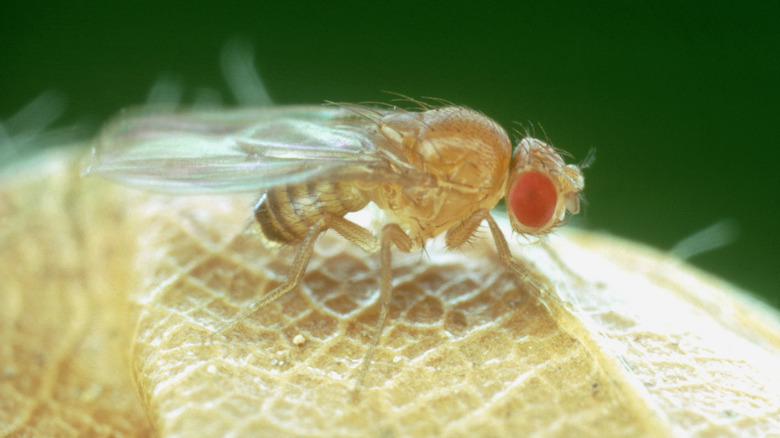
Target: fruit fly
[[432, 170]]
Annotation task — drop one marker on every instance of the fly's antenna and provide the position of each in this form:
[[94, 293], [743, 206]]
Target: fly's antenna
[[589, 159], [238, 67]]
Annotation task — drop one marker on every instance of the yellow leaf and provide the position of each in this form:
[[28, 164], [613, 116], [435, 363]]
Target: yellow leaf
[[109, 293]]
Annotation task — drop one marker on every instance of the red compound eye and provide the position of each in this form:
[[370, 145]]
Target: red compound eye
[[533, 199]]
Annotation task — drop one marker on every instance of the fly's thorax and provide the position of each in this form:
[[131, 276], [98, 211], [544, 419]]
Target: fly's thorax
[[286, 213], [464, 155]]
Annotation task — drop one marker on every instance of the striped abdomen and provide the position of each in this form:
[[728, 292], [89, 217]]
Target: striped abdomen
[[286, 213]]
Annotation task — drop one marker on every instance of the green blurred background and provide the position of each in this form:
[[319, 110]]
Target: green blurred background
[[680, 101]]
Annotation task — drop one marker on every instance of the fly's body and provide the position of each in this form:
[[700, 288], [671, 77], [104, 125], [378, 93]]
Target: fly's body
[[433, 171], [448, 163]]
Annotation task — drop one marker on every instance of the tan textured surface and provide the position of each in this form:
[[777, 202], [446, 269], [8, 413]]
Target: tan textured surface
[[65, 321], [645, 347]]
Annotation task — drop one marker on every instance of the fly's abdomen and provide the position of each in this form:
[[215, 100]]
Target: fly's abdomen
[[286, 213]]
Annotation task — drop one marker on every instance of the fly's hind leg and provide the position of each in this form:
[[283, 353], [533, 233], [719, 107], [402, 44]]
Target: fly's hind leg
[[349, 230], [300, 262], [392, 234]]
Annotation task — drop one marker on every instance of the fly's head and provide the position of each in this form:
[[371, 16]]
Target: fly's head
[[541, 188]]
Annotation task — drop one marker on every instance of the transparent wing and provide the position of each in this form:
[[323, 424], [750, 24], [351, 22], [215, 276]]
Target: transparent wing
[[239, 150]]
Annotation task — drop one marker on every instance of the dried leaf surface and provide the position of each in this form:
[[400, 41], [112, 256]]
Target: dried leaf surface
[[65, 320], [108, 292]]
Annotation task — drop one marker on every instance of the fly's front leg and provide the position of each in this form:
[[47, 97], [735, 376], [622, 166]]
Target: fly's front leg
[[539, 288], [461, 233], [391, 234]]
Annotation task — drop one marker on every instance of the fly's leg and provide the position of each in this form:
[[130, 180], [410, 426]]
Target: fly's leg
[[391, 234], [300, 262], [460, 234], [349, 230], [357, 235], [541, 289]]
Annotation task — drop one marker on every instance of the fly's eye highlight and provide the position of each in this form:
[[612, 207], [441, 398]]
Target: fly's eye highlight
[[533, 199]]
